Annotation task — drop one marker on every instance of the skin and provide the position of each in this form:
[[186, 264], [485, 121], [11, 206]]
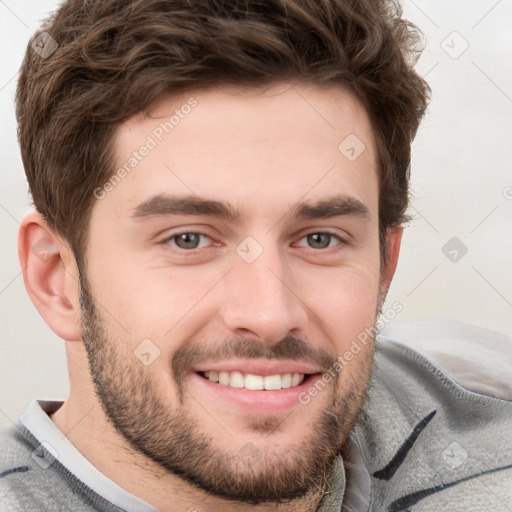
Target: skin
[[263, 152]]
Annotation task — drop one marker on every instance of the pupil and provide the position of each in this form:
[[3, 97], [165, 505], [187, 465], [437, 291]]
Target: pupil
[[316, 239], [189, 240]]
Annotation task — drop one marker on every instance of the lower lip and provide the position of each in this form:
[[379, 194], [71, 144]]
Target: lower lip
[[258, 401]]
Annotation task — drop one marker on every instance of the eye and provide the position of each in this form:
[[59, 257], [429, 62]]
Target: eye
[[185, 241], [321, 240]]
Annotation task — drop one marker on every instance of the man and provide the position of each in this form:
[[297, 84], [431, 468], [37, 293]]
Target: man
[[220, 190]]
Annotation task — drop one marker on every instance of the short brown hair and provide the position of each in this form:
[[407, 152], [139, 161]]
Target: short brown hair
[[113, 58]]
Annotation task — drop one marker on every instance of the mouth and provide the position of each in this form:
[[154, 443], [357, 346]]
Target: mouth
[[252, 392], [253, 382]]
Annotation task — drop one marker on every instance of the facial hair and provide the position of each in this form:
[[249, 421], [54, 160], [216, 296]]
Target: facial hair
[[162, 429]]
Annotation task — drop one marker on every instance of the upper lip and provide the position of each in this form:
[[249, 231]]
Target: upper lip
[[258, 367]]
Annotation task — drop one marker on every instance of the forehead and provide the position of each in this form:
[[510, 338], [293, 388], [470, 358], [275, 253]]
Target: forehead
[[257, 148]]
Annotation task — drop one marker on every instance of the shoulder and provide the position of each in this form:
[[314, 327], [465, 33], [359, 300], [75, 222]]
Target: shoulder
[[476, 358], [29, 479], [16, 467], [14, 450], [435, 430]]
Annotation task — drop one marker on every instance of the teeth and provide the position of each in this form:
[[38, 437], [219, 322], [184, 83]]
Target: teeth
[[286, 380], [236, 380], [272, 382], [255, 382], [295, 379], [224, 378]]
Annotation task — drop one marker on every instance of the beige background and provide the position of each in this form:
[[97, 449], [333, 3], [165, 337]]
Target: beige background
[[462, 186]]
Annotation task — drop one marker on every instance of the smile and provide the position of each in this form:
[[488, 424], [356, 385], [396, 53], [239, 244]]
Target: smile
[[253, 382]]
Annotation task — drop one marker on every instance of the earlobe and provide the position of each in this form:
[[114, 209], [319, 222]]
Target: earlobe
[[50, 276]]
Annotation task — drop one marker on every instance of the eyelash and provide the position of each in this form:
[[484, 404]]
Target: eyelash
[[325, 250]]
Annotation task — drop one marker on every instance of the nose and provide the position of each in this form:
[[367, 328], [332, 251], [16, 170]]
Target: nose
[[262, 300]]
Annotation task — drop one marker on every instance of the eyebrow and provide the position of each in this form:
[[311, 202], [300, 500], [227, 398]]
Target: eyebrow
[[163, 204]]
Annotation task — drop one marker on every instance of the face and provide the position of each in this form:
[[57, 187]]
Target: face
[[227, 269]]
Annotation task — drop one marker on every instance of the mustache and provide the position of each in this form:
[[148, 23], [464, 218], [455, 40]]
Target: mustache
[[288, 348]]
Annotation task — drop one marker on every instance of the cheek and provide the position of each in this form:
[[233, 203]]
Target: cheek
[[346, 301], [154, 303]]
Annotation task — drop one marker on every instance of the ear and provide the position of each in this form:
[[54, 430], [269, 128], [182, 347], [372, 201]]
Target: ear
[[393, 242], [50, 275]]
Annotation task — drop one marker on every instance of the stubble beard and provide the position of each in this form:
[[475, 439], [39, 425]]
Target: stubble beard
[[161, 429]]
